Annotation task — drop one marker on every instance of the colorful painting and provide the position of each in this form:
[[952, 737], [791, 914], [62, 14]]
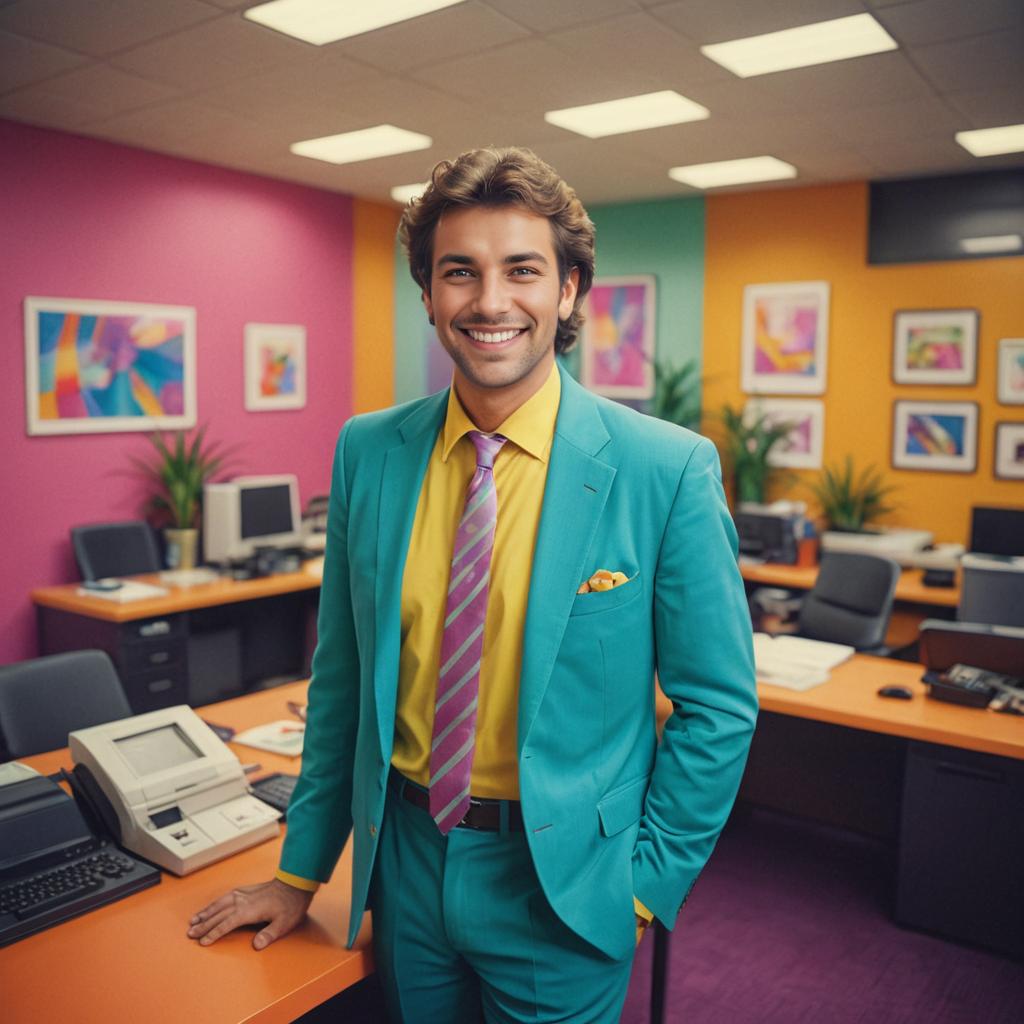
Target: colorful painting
[[617, 342], [93, 366], [935, 346], [935, 435], [1010, 388], [802, 447], [785, 338], [275, 366], [1010, 451]]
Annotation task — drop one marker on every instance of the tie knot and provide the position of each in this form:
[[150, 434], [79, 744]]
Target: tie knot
[[487, 447]]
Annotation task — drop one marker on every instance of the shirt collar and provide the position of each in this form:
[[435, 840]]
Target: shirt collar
[[531, 427]]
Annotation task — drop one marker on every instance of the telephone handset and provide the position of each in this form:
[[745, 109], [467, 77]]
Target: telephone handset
[[975, 687]]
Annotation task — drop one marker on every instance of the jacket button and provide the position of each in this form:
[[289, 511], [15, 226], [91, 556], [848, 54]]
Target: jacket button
[[373, 830]]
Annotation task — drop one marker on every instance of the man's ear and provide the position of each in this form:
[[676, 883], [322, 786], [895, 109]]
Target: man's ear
[[428, 305], [568, 294]]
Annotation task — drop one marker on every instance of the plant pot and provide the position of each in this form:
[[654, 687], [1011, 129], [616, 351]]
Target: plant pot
[[181, 548]]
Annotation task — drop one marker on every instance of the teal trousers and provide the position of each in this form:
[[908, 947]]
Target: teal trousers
[[463, 932]]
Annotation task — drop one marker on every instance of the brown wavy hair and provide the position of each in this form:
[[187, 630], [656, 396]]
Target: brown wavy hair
[[504, 177]]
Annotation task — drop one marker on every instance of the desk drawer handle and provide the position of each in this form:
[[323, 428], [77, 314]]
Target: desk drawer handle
[[160, 627], [159, 657], [951, 768], [159, 685]]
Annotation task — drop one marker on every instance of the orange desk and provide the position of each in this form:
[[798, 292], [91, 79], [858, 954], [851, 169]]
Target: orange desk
[[914, 601], [194, 645], [131, 961]]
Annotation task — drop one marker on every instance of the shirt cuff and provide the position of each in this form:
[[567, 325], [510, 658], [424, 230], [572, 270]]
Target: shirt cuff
[[306, 884], [638, 907]]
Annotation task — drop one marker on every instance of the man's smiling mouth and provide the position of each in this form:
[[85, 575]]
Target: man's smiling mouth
[[493, 337]]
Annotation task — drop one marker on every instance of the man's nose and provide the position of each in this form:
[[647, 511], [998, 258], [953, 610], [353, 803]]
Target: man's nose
[[493, 298]]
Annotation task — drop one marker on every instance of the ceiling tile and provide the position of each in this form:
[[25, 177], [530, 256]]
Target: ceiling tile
[[212, 54], [935, 21], [923, 115], [985, 62], [102, 27], [717, 22], [23, 61], [989, 109], [104, 89], [465, 28], [545, 16]]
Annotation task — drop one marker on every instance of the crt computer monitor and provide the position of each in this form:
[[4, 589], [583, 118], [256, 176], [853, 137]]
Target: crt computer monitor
[[248, 513], [997, 531]]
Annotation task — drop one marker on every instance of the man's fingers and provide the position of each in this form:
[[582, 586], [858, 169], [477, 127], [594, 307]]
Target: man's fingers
[[227, 900]]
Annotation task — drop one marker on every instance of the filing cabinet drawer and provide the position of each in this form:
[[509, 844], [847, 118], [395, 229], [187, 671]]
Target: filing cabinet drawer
[[156, 688], [155, 654], [160, 628]]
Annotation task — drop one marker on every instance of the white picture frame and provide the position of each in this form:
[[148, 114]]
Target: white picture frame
[[804, 447], [1009, 451], [784, 341], [935, 436], [1010, 372], [97, 366], [935, 346], [275, 367]]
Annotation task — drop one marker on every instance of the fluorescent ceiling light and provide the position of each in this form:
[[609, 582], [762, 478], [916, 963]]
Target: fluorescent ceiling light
[[407, 193], [733, 172], [367, 144], [632, 114], [992, 243], [325, 21], [993, 141], [820, 43]]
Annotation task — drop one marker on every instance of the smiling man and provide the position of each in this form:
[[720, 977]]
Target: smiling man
[[508, 563]]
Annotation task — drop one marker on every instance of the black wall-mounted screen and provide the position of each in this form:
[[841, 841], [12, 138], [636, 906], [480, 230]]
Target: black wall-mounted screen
[[920, 220]]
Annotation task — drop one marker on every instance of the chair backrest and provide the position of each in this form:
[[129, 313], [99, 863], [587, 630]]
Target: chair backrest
[[115, 549], [851, 600], [992, 591], [42, 700]]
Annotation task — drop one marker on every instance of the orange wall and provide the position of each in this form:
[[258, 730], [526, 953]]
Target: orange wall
[[820, 233], [373, 316]]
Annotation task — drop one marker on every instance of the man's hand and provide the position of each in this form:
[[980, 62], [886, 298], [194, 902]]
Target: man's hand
[[281, 905]]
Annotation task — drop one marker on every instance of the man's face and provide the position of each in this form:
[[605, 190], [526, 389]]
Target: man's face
[[495, 297]]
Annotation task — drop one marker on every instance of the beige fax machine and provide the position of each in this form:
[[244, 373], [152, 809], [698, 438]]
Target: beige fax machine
[[178, 793]]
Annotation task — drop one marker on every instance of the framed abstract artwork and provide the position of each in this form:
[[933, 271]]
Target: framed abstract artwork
[[935, 346], [802, 447], [1010, 386], [275, 367], [785, 338], [618, 336], [941, 436], [93, 366], [1010, 451]]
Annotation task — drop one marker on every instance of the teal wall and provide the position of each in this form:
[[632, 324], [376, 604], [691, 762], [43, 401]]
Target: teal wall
[[664, 237]]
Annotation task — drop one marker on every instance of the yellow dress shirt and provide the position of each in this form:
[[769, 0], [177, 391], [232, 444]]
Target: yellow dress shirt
[[520, 472]]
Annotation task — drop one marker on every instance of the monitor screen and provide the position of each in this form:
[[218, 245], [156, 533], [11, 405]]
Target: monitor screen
[[266, 510], [156, 750], [997, 531]]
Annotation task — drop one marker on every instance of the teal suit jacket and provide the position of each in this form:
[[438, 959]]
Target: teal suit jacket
[[608, 812]]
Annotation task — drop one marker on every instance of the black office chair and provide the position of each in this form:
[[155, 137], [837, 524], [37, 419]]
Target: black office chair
[[44, 699], [851, 601], [115, 549], [992, 591]]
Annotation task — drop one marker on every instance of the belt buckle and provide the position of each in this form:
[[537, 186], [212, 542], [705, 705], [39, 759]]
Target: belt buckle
[[473, 802]]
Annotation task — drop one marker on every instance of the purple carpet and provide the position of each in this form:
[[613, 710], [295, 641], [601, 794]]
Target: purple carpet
[[790, 924]]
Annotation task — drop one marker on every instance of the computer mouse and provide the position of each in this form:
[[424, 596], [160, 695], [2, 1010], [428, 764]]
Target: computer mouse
[[900, 692]]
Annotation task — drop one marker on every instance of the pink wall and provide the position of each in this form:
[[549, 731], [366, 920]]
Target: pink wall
[[81, 218]]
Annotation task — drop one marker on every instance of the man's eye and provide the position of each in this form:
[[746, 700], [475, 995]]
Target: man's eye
[[524, 271], [457, 272]]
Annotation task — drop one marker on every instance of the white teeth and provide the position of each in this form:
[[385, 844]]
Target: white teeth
[[493, 337]]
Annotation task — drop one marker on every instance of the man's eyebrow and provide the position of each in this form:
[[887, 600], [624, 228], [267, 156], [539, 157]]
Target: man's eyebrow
[[526, 257], [516, 257], [454, 257]]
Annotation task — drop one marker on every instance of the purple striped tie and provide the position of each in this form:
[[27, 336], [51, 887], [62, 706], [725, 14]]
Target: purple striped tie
[[451, 749]]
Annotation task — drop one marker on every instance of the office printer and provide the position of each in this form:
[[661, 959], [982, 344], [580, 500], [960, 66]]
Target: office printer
[[173, 792], [767, 533]]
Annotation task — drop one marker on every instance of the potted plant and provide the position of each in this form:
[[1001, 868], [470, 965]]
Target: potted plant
[[750, 436], [181, 469], [676, 394], [850, 501]]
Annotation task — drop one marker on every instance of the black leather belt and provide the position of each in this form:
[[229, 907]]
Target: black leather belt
[[483, 815]]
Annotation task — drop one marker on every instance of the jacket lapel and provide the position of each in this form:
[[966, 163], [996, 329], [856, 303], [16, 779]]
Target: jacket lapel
[[577, 488], [404, 467]]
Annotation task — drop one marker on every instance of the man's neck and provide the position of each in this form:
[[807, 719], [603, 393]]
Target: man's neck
[[488, 408]]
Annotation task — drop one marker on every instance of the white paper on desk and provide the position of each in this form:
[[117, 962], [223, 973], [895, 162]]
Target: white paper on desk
[[281, 737], [796, 662], [130, 590]]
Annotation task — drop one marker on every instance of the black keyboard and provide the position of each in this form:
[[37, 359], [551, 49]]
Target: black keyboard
[[275, 790], [48, 897]]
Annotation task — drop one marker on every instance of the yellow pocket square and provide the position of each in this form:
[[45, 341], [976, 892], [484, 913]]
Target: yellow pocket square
[[603, 579]]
